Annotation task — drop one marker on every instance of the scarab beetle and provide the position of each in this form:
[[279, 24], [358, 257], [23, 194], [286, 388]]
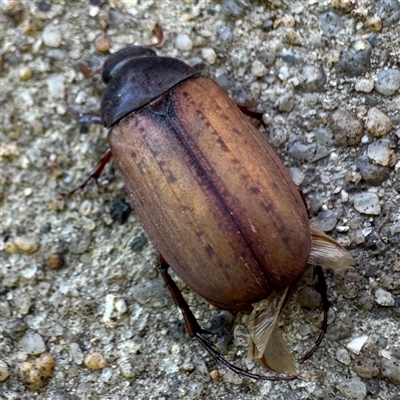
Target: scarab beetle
[[212, 195]]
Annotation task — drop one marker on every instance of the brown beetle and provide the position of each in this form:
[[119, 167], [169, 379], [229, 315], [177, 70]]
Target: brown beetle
[[212, 195]]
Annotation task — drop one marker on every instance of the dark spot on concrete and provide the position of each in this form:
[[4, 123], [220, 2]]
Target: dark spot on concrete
[[133, 154], [185, 94], [141, 129]]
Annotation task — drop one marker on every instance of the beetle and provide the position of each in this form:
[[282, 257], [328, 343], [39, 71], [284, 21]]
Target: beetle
[[213, 197]]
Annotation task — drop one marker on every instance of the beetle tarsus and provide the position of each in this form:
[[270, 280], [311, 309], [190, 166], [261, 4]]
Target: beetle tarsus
[[196, 332], [325, 306], [91, 117], [94, 174]]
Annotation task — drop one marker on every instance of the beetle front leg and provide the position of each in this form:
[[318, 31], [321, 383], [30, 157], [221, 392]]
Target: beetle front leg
[[321, 287], [94, 174], [196, 332]]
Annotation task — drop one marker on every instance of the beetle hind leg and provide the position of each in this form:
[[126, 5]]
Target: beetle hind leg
[[195, 331], [321, 287]]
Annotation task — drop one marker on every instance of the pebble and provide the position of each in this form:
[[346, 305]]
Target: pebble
[[183, 42], [55, 85], [326, 220], [80, 243], [391, 370], [233, 8], [323, 137], [95, 361], [388, 82], [32, 343], [367, 203], [15, 328], [120, 210], [373, 23], [312, 78], [343, 356], [102, 43], [388, 11], [4, 371], [366, 367], [356, 344], [302, 152], [297, 176], [8, 151], [309, 298], [377, 123], [258, 69], [379, 152], [353, 388], [76, 353], [114, 308], [285, 102], [85, 208], [126, 368], [356, 61], [384, 298], [209, 55], [5, 309], [37, 372], [138, 243], [225, 33], [55, 261], [364, 85], [372, 173], [28, 244], [331, 23], [25, 74], [346, 128], [344, 5], [152, 293], [51, 36]]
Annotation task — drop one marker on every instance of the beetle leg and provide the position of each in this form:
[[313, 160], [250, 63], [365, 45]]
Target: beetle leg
[[83, 117], [195, 331], [94, 174], [321, 286], [159, 34]]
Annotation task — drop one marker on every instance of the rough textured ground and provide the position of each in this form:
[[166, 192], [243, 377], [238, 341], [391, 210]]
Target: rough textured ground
[[109, 299]]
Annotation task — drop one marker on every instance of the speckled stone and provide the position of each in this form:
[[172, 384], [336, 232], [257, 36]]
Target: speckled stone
[[312, 78], [32, 343], [326, 220], [388, 11], [391, 370], [384, 298], [331, 23], [183, 42], [52, 36], [364, 85], [353, 388], [356, 61], [379, 152], [377, 123], [367, 203], [388, 82], [346, 128], [371, 172]]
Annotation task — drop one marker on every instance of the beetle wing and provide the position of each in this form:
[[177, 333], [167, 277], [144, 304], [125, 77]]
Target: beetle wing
[[328, 253], [267, 345]]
